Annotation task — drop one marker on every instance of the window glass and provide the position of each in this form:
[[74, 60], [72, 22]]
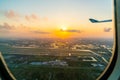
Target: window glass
[[56, 39]]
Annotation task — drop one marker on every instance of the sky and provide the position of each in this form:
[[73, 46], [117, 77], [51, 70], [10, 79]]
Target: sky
[[55, 18]]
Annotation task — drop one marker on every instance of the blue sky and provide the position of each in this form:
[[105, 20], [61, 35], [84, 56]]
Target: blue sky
[[93, 7]]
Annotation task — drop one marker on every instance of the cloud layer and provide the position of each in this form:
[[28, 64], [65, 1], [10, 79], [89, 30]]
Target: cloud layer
[[107, 29], [11, 14], [32, 17], [71, 30], [6, 26], [40, 32]]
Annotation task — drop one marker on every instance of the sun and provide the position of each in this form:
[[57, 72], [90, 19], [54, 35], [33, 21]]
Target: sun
[[63, 28], [61, 32]]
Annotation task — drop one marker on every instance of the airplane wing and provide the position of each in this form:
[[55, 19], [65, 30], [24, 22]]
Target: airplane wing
[[96, 21], [110, 20], [93, 20]]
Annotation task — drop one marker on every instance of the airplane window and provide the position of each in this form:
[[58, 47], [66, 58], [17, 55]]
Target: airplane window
[[56, 39]]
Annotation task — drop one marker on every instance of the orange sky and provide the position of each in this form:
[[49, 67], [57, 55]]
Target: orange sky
[[47, 21]]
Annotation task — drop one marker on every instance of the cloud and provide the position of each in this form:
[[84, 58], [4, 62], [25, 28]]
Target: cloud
[[107, 29], [34, 17], [72, 31], [27, 18], [6, 26], [31, 17], [11, 14], [40, 32]]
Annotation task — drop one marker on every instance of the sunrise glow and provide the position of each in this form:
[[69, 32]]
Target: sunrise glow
[[62, 20], [63, 28]]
